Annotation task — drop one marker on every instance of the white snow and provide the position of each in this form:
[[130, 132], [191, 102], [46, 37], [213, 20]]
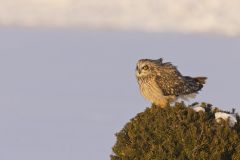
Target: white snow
[[218, 115], [198, 108], [226, 116]]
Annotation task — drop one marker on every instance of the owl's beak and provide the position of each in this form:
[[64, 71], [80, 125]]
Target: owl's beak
[[139, 71]]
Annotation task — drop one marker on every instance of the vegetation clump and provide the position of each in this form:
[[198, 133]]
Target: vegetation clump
[[177, 133]]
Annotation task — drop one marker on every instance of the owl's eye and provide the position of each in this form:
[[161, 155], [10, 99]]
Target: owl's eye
[[145, 67]]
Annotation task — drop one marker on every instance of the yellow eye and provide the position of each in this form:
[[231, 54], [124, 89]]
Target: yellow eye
[[145, 67]]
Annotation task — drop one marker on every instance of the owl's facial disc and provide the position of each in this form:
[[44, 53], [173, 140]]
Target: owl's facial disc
[[142, 70]]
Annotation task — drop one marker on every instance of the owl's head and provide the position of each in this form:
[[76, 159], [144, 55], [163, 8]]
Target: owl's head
[[147, 67]]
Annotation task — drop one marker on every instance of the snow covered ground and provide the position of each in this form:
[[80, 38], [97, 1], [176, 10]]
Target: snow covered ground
[[65, 93]]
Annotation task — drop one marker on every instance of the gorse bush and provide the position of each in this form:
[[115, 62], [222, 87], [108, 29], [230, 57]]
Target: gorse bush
[[177, 133]]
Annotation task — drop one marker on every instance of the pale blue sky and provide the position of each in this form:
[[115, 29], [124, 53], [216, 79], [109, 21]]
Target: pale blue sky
[[64, 92]]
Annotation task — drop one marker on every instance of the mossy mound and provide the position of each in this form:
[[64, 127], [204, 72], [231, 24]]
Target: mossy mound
[[177, 133]]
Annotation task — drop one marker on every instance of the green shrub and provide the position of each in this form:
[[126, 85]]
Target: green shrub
[[177, 133]]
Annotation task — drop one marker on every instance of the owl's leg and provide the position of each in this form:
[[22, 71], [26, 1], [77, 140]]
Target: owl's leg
[[163, 102], [171, 100]]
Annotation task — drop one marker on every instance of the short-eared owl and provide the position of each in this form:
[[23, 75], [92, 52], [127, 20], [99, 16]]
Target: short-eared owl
[[162, 83]]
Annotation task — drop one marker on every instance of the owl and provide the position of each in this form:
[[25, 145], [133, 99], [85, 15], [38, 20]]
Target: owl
[[162, 83]]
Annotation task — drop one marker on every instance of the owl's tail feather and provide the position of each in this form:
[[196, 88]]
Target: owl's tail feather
[[201, 80]]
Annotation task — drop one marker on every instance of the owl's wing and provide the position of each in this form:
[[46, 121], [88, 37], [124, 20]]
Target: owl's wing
[[171, 82]]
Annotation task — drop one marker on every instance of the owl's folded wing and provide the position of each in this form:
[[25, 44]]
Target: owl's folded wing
[[177, 85]]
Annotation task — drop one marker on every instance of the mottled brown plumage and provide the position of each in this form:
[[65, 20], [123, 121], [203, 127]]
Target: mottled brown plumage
[[162, 83]]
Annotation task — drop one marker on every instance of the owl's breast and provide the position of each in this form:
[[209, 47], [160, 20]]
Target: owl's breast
[[150, 90]]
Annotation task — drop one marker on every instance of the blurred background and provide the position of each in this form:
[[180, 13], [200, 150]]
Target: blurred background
[[67, 67]]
